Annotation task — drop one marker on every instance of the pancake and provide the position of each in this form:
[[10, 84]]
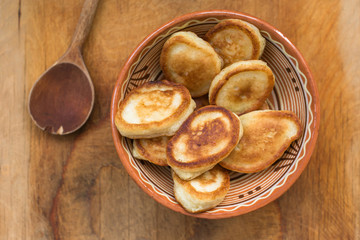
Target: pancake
[[201, 101], [151, 149], [235, 40], [154, 109], [243, 86], [191, 61], [204, 192], [204, 139], [265, 106], [267, 134]]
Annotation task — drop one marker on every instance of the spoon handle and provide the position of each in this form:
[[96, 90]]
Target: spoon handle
[[84, 23]]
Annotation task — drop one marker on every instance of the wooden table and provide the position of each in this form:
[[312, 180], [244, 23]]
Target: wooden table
[[100, 200]]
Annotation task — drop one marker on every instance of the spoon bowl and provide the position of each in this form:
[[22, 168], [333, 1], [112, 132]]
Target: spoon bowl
[[62, 99]]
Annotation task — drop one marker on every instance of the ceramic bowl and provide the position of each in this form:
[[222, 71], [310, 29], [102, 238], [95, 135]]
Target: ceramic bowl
[[294, 90]]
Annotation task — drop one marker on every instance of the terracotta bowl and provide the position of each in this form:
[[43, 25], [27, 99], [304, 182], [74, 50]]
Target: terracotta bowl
[[294, 90]]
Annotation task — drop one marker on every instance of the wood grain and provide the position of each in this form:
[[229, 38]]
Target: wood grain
[[74, 187], [84, 23]]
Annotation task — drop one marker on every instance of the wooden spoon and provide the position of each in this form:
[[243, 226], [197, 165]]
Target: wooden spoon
[[62, 98]]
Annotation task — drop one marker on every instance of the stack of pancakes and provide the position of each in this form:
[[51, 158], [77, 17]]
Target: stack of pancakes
[[199, 141]]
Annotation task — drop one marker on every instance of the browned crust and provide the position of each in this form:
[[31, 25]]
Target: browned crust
[[254, 67], [145, 154], [208, 195], [265, 106], [281, 114], [185, 40], [236, 24], [167, 47], [121, 123], [200, 211], [201, 101], [204, 161]]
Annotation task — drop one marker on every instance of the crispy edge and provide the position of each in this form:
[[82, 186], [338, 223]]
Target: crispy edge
[[216, 89], [144, 154], [265, 106], [184, 39], [286, 114], [205, 161], [241, 25], [224, 190], [182, 89]]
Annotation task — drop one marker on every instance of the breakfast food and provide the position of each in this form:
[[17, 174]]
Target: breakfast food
[[202, 143], [265, 106], [201, 101], [203, 140], [154, 109], [151, 149], [267, 134], [189, 60], [235, 40], [204, 192], [243, 86]]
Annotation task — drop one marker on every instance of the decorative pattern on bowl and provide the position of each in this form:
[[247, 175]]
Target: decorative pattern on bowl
[[292, 92]]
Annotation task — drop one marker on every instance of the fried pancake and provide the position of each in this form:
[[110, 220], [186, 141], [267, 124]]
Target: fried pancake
[[151, 149], [243, 86], [204, 192], [204, 139], [265, 106], [201, 101], [235, 40], [191, 61], [154, 109], [267, 134]]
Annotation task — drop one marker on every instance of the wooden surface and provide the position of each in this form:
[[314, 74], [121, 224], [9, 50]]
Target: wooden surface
[[74, 187]]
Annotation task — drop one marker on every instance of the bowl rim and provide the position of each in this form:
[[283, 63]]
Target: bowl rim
[[291, 49]]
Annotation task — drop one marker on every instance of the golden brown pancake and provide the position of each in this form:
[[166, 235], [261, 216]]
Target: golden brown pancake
[[191, 61], [154, 109], [151, 149], [204, 139], [201, 101], [243, 86], [265, 106], [267, 134], [204, 192], [235, 40]]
